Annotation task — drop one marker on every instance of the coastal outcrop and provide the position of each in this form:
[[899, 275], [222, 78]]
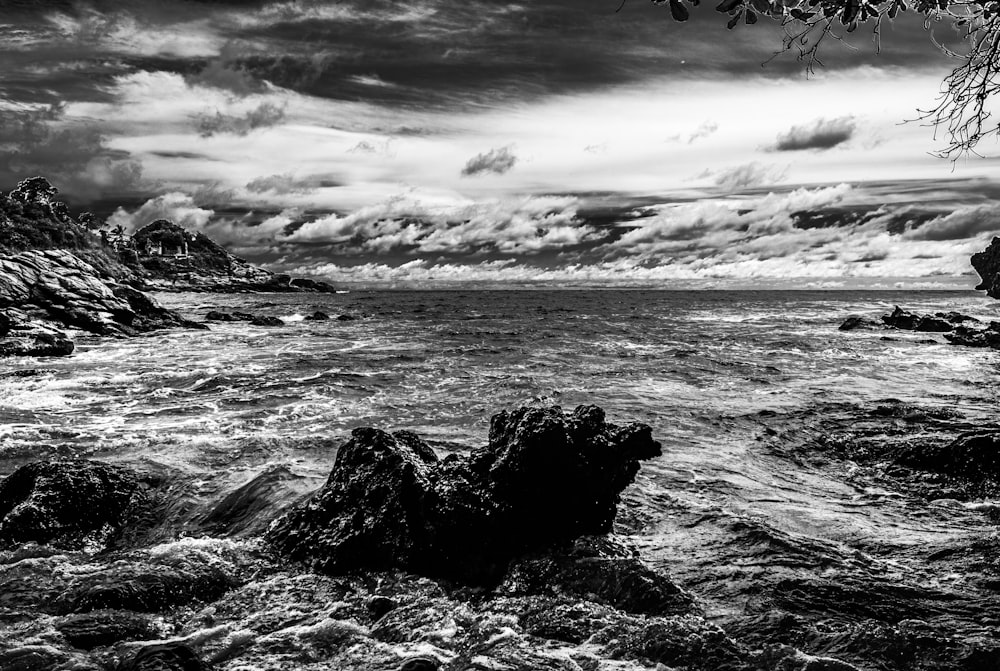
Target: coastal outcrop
[[69, 504], [987, 264], [168, 257], [43, 293], [545, 477]]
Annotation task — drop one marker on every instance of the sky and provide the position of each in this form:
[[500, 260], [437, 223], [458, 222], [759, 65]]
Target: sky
[[557, 142]]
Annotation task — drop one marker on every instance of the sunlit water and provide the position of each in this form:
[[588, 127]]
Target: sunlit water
[[221, 406]]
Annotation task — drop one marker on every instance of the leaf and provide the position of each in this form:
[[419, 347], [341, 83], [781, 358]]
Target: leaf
[[733, 21], [727, 6], [762, 6], [678, 11], [751, 17]]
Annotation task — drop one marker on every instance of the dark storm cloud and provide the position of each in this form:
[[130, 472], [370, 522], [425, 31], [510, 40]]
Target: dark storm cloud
[[820, 134], [73, 156], [496, 161], [430, 52]]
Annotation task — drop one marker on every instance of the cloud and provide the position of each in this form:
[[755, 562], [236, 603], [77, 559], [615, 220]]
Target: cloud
[[516, 226], [747, 176], [497, 161], [265, 115], [821, 134], [289, 184], [72, 154], [964, 222], [179, 208], [706, 129]]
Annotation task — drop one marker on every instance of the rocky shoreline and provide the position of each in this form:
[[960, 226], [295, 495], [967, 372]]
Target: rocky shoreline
[[58, 277]]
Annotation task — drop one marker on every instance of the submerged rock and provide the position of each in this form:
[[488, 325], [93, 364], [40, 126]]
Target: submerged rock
[[317, 316], [546, 477], [973, 456], [72, 504], [106, 627], [858, 322], [164, 657]]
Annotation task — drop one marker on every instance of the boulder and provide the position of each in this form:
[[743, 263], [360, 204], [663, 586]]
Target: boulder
[[267, 321], [70, 503], [345, 318], [317, 316], [546, 477]]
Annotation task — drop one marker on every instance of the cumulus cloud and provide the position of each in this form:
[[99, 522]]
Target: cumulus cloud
[[747, 176], [517, 226], [264, 115], [178, 207], [497, 161], [820, 134]]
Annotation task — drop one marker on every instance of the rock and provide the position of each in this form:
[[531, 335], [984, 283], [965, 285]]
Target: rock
[[379, 606], [169, 257], [856, 322], [243, 316], [267, 321], [216, 316], [909, 321], [145, 587], [987, 264], [973, 456], [31, 658], [600, 570], [43, 292], [421, 663], [164, 657], [71, 503], [106, 627], [345, 318], [975, 337], [545, 478], [317, 316]]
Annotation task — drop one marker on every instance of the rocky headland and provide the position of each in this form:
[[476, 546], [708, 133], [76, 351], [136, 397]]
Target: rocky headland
[[61, 274]]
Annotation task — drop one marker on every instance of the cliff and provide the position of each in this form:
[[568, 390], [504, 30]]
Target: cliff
[[44, 293], [987, 264]]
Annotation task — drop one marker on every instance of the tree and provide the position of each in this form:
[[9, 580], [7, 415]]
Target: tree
[[34, 190], [963, 106]]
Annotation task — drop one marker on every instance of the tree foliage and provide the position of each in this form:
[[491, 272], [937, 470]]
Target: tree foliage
[[963, 108]]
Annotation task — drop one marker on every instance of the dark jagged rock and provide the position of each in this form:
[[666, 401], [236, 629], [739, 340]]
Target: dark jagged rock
[[31, 658], [973, 456], [976, 337], [345, 318], [987, 264], [106, 627], [601, 570], [164, 657], [857, 322], [909, 321], [266, 321], [546, 477], [72, 504], [216, 316], [317, 316]]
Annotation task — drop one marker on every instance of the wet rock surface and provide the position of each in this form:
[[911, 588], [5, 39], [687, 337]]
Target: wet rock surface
[[545, 477], [987, 264], [45, 293], [71, 503]]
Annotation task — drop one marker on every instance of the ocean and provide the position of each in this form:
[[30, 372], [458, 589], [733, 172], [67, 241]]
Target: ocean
[[740, 387]]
